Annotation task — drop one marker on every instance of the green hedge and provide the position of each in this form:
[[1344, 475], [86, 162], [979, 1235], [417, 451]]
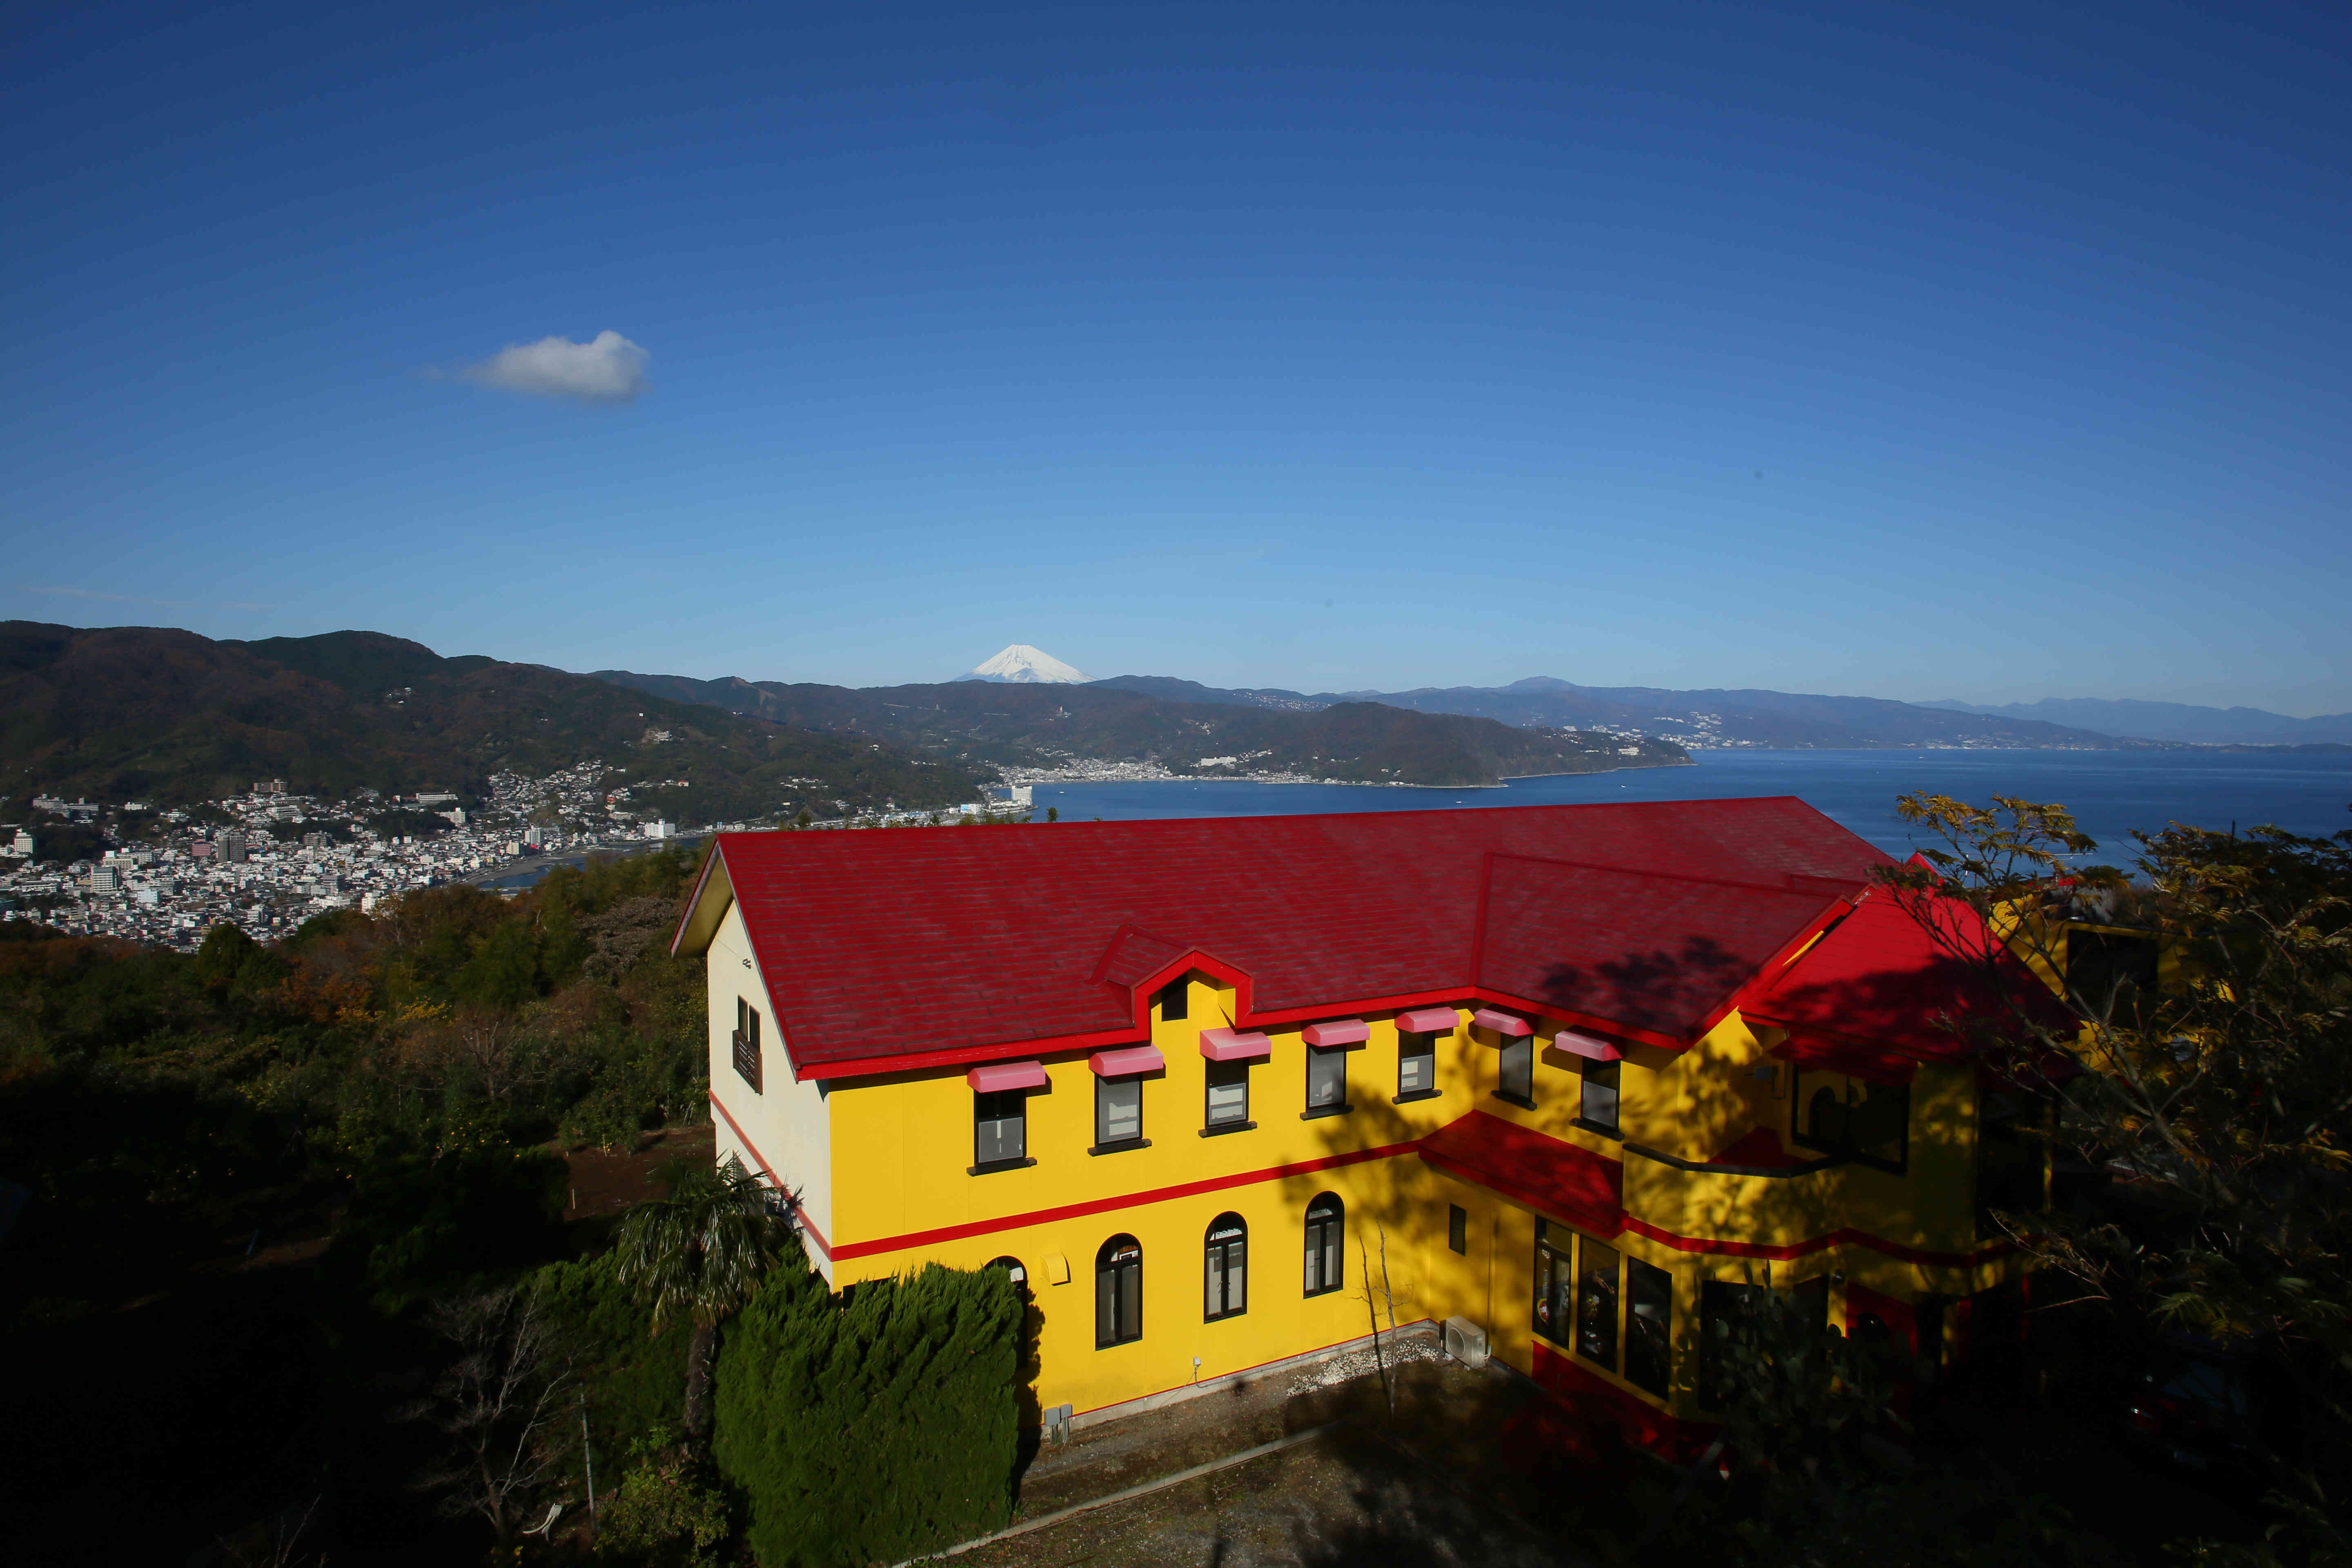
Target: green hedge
[[872, 1425], [635, 1378]]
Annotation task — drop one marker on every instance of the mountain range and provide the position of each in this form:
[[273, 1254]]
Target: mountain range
[[2178, 721], [1043, 725], [134, 713]]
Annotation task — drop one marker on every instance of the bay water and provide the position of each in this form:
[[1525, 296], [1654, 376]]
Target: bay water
[[2110, 793]]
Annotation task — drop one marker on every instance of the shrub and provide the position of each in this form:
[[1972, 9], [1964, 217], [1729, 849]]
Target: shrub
[[667, 1513], [872, 1425]]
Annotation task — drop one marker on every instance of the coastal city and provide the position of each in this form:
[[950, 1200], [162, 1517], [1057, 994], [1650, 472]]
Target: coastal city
[[268, 859]]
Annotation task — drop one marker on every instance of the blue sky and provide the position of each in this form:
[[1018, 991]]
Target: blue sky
[[1958, 353]]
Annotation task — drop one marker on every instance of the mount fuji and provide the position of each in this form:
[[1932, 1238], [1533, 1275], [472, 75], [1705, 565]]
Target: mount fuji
[[1021, 664]]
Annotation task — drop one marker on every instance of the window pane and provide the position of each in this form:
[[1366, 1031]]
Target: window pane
[[1119, 1107], [1130, 1300], [1555, 1290], [1000, 1122], [1596, 1304], [1416, 1063], [1228, 1092], [1216, 1274], [1105, 1306], [1520, 1068], [1457, 1228], [1649, 1322], [1326, 1078], [1600, 1093], [1237, 1276]]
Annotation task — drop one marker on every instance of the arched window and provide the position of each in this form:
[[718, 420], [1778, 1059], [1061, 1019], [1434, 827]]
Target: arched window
[[1327, 1226], [1226, 1267], [1118, 1292], [1014, 1271]]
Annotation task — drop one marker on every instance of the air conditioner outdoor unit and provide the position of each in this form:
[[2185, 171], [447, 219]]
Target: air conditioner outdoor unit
[[1465, 1342]]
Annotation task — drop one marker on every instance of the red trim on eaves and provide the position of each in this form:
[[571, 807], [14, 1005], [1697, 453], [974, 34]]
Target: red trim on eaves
[[1104, 1205], [799, 1214]]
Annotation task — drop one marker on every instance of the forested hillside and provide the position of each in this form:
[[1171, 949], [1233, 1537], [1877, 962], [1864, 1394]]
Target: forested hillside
[[170, 716], [981, 723]]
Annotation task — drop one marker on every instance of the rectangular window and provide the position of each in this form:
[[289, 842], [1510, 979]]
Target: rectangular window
[[1517, 1079], [1000, 1128], [1326, 1080], [1416, 1065], [1118, 1110], [1457, 1228], [1727, 1314], [747, 1043], [1175, 1000], [1649, 1325], [1228, 1093], [1555, 1283], [1596, 1304], [1841, 1115], [1599, 1109]]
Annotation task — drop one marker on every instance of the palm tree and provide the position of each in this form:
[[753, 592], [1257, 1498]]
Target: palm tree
[[700, 1253]]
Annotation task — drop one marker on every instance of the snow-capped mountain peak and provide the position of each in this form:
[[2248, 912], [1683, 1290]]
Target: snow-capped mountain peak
[[1026, 665]]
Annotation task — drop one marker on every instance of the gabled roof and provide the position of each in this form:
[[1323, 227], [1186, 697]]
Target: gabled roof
[[1882, 984], [884, 948]]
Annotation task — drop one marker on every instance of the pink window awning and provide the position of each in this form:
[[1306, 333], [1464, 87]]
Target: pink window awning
[[1126, 1061], [1592, 1047], [995, 1078], [1428, 1021], [1234, 1045], [1339, 1032], [1502, 1023]]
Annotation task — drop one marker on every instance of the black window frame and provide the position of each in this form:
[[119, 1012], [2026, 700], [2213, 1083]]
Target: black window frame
[[1232, 1073], [1327, 1244], [1553, 1315], [1118, 1292], [1516, 1060], [982, 1161], [1416, 1046], [1224, 1258], [1598, 1079], [746, 1043], [1458, 1229], [1326, 1057], [1104, 1143]]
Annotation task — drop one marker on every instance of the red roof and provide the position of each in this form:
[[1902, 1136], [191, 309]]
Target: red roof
[[1881, 984], [971, 941], [1546, 1174]]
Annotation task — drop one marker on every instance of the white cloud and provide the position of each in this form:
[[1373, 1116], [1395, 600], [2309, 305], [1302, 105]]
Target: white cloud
[[607, 368]]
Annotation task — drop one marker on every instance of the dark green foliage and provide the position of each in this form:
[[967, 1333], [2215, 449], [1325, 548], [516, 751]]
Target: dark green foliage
[[872, 1425], [669, 1512], [635, 1375], [416, 1223]]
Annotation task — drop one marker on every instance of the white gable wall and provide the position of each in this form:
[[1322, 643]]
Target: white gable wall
[[785, 1131]]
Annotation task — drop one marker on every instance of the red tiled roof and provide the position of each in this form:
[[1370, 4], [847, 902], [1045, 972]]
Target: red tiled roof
[[1546, 1174], [1881, 983], [973, 939]]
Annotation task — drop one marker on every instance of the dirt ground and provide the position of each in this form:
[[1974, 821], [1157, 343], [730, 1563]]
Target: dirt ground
[[1362, 1493], [605, 1182]]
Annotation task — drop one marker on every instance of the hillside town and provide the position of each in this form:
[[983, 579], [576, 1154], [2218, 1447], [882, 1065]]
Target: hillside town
[[267, 860]]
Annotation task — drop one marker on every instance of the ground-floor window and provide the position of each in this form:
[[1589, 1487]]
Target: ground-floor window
[[1225, 1268], [1327, 1226], [1596, 1303], [1649, 1326], [1555, 1283], [1118, 1292], [1727, 1309]]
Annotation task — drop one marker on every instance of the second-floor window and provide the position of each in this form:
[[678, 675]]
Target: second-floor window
[[1119, 1110], [1599, 1108], [1327, 1081], [747, 1043], [1516, 1080], [1228, 1094], [1416, 1065], [1000, 1126]]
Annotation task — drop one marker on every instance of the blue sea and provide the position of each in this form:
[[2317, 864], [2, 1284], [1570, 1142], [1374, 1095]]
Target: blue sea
[[2110, 793]]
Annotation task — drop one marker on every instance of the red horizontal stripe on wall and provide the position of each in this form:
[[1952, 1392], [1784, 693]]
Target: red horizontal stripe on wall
[[800, 1214], [1106, 1206]]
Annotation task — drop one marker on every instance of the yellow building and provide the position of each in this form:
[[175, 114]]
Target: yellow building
[[1232, 1091]]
